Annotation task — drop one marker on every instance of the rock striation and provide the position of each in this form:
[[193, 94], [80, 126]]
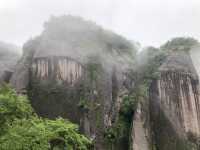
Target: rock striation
[[174, 103]]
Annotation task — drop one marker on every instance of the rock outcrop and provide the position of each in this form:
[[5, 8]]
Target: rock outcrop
[[168, 118], [174, 104], [75, 70], [79, 71]]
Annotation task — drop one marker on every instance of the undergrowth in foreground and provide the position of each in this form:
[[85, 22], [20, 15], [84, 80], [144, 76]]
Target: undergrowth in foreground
[[22, 129]]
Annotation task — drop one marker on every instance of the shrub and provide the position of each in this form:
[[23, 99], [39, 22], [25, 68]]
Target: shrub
[[22, 129]]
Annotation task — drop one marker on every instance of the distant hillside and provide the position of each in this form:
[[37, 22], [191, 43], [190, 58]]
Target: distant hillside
[[9, 55]]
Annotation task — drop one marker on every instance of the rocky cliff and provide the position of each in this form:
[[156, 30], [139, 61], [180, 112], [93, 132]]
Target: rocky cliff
[[169, 117], [91, 76], [76, 70], [174, 103]]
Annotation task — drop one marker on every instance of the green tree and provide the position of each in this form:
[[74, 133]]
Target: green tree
[[12, 107], [22, 129], [179, 44]]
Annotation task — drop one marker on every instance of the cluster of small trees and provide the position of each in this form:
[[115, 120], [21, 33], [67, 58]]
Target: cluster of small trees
[[22, 129]]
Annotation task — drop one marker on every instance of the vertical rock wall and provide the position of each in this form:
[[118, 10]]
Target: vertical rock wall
[[175, 109], [59, 82], [54, 87], [101, 101], [87, 94], [65, 69], [179, 95]]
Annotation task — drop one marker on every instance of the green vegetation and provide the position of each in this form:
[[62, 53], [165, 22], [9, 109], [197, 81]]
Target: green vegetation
[[128, 106], [119, 133], [42, 134], [12, 107], [93, 70], [22, 129], [94, 67], [180, 44], [83, 105], [147, 71], [165, 136]]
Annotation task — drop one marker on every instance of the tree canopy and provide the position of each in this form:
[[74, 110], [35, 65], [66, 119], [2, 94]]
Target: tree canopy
[[22, 129], [180, 44]]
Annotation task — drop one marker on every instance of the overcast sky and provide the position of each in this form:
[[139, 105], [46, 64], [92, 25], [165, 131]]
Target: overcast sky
[[150, 22]]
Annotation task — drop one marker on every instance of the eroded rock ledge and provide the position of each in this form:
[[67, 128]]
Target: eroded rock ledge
[[62, 68]]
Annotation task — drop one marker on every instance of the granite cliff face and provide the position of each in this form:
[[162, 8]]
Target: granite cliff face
[[76, 70], [174, 100], [63, 69], [169, 118]]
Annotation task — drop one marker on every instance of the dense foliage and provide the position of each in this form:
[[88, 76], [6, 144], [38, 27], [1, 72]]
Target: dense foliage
[[179, 44], [12, 107], [22, 129]]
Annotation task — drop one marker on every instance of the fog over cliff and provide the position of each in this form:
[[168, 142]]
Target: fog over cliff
[[120, 97], [150, 22], [80, 39], [9, 54], [89, 64]]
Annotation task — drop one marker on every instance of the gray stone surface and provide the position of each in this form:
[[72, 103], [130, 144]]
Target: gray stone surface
[[75, 69], [174, 104]]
